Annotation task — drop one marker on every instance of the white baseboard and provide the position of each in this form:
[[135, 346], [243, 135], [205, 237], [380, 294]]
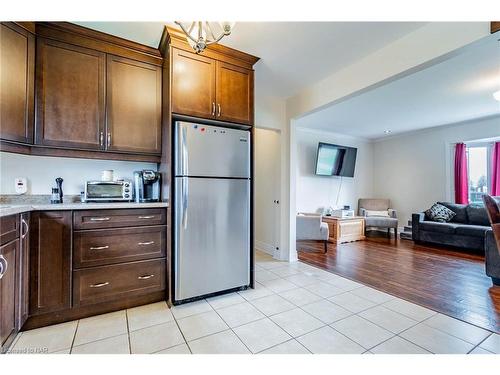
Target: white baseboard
[[262, 246]]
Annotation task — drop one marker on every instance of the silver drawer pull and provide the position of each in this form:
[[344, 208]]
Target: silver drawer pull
[[145, 277], [99, 247], [99, 218], [146, 243], [146, 217], [99, 285]]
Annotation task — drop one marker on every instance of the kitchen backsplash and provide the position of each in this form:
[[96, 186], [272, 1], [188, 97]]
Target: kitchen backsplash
[[41, 172]]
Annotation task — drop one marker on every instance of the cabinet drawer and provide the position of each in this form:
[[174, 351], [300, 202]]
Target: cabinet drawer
[[110, 246], [106, 283], [96, 219], [9, 228]]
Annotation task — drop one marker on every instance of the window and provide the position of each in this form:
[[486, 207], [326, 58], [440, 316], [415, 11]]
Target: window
[[479, 171]]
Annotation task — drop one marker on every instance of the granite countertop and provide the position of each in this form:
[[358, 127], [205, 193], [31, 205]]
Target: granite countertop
[[17, 208]]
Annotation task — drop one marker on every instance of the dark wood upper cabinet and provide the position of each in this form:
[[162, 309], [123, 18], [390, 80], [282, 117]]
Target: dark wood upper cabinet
[[50, 261], [70, 98], [8, 291], [133, 106], [234, 93], [17, 59], [193, 84], [208, 88]]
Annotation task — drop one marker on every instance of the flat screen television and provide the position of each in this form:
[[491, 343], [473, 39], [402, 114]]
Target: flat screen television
[[335, 160]]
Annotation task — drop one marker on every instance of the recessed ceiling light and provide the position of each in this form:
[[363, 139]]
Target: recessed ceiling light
[[388, 131], [496, 95]]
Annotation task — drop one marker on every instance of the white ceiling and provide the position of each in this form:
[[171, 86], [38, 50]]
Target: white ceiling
[[293, 55], [455, 90]]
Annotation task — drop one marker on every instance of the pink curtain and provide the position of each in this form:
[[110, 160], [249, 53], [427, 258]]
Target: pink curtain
[[461, 179], [495, 173]]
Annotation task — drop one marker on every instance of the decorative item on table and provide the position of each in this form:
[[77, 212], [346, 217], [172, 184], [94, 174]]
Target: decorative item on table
[[343, 213], [327, 211], [107, 175]]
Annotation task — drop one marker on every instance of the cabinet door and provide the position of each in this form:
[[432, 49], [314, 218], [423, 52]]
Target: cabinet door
[[7, 290], [133, 106], [193, 84], [17, 59], [23, 272], [50, 261], [234, 93], [70, 96]]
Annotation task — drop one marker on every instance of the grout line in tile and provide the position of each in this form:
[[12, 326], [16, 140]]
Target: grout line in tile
[[284, 342], [235, 332], [478, 345], [182, 334], [74, 336], [451, 334], [128, 332]]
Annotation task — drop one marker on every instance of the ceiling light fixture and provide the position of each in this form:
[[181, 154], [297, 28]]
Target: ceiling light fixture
[[496, 95], [387, 132], [201, 34]]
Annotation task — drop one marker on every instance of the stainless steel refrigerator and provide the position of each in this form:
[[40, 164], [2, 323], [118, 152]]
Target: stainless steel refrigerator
[[212, 209]]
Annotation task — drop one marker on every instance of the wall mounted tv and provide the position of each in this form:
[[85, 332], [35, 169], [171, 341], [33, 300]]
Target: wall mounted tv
[[335, 160]]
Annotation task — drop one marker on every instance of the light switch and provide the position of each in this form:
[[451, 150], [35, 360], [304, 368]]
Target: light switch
[[21, 185]]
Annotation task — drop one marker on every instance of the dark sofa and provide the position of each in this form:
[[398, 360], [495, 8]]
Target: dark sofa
[[470, 229]]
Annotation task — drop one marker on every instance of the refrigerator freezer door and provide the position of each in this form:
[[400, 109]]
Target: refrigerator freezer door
[[211, 151], [212, 235]]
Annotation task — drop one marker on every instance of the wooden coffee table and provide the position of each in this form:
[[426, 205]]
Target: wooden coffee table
[[348, 229]]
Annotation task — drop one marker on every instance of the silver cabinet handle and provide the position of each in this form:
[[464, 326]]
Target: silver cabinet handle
[[146, 217], [101, 139], [109, 139], [145, 277], [26, 228], [99, 285], [3, 266], [146, 243], [99, 247], [99, 219], [218, 110], [213, 108]]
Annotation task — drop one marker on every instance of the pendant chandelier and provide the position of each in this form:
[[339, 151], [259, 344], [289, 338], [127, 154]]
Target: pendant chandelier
[[201, 34]]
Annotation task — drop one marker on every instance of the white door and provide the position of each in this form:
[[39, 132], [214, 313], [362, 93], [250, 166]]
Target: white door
[[267, 190]]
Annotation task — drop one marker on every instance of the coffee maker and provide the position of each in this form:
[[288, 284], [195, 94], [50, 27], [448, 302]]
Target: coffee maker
[[147, 185]]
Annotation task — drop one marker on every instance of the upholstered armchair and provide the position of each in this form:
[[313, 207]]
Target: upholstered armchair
[[311, 228], [374, 211]]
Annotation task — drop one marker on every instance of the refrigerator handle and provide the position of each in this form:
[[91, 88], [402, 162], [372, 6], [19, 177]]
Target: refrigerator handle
[[184, 152], [185, 192]]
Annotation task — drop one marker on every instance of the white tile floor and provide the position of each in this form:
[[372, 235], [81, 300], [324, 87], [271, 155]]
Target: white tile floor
[[295, 308]]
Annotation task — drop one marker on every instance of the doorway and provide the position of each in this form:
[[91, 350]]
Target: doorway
[[267, 177]]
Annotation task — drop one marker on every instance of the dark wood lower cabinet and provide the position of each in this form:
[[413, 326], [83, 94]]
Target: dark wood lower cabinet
[[81, 267], [23, 271], [8, 292], [107, 283], [50, 261]]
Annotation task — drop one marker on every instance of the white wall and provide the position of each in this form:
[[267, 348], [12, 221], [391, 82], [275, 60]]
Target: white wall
[[41, 172], [269, 112], [314, 192], [415, 170]]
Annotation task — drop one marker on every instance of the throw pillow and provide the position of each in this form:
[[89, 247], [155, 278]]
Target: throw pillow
[[377, 213], [440, 213]]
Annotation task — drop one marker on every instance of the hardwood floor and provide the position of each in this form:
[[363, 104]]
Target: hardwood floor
[[445, 280]]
